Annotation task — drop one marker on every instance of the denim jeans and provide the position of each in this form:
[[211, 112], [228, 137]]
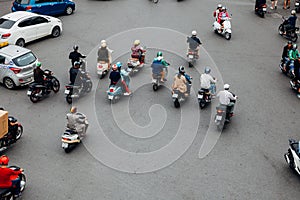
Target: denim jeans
[[212, 88]]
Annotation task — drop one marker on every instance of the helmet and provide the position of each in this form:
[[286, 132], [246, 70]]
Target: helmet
[[219, 6], [4, 160], [159, 54], [76, 63], [181, 69], [114, 67], [119, 65], [73, 109], [137, 42], [103, 43], [194, 33], [38, 64], [75, 47], [224, 8], [207, 70], [226, 86], [290, 42], [294, 46], [293, 12]]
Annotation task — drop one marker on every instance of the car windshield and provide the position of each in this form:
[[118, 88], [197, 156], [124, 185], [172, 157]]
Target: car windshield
[[6, 23], [25, 59], [22, 1]]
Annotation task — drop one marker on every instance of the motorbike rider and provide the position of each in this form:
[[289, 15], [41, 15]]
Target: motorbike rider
[[12, 128], [297, 74], [290, 23], [206, 80], [259, 4], [222, 17], [75, 55], [137, 51], [158, 69], [77, 122], [114, 75], [9, 178], [125, 80], [217, 11], [194, 43], [38, 74], [104, 53], [224, 97], [285, 53], [180, 81], [74, 71], [293, 55]]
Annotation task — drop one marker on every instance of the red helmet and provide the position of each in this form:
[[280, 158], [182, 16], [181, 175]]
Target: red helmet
[[114, 67], [4, 160]]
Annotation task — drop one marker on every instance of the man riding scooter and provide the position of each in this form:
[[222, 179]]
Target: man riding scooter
[[76, 122], [137, 51], [194, 43]]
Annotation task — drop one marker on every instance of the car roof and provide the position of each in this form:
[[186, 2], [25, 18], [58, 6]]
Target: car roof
[[15, 16], [13, 51]]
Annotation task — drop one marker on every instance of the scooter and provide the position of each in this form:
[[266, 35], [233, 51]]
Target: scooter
[[296, 87], [102, 69], [9, 139], [297, 6], [261, 10], [226, 31], [223, 117], [7, 193], [292, 156], [71, 138], [291, 34], [115, 92], [178, 96], [192, 56], [76, 91], [156, 80], [38, 91], [204, 98], [133, 63]]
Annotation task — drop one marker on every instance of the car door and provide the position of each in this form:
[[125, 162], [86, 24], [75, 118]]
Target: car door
[[43, 7], [2, 67], [26, 29], [58, 6], [42, 26]]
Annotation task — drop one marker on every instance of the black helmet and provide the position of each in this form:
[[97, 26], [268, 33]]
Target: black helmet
[[181, 69], [75, 47], [290, 42]]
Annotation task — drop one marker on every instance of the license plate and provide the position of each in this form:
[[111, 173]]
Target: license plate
[[64, 145], [219, 117], [200, 96], [296, 4], [297, 32], [265, 9], [175, 95], [29, 93], [67, 91], [191, 56], [110, 97]]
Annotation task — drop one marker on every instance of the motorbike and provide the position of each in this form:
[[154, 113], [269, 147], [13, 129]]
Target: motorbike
[[226, 31], [296, 86], [9, 139], [178, 96], [76, 91], [291, 34], [133, 63], [261, 10], [292, 156], [297, 6], [156, 80], [192, 56], [7, 193], [115, 92], [71, 138], [222, 117], [102, 69], [37, 91], [204, 97], [286, 68]]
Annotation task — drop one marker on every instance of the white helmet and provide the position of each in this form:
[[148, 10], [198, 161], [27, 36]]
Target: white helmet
[[226, 86], [103, 43], [219, 6], [194, 33], [293, 12]]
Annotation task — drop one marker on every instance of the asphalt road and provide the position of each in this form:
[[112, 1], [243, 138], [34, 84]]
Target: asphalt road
[[246, 162]]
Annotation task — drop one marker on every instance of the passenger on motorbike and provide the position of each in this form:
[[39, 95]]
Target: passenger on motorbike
[[217, 11], [225, 96], [104, 53], [180, 82], [285, 53], [12, 128], [291, 22], [137, 51], [77, 122], [222, 17], [74, 72], [293, 55], [206, 80], [125, 80], [9, 178], [194, 43], [75, 55]]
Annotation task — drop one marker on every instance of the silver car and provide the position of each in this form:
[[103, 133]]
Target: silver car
[[16, 65]]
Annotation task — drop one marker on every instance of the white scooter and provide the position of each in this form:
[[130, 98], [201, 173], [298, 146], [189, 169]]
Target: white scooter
[[71, 138], [103, 67], [226, 31], [292, 156]]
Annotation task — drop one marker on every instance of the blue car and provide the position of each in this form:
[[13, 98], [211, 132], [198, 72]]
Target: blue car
[[45, 7]]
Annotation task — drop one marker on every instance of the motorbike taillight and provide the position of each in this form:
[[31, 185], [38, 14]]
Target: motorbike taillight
[[219, 111], [111, 89], [100, 66]]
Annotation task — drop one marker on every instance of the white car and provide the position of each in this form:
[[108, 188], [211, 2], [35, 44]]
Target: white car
[[21, 27]]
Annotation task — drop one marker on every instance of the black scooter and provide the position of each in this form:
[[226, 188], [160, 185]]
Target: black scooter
[[291, 34]]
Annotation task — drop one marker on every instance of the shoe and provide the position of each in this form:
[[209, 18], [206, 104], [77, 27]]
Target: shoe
[[165, 79], [288, 7], [275, 7], [271, 8], [283, 8], [162, 81], [127, 93]]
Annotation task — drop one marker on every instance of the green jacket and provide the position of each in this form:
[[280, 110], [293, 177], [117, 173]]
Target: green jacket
[[162, 62], [293, 54]]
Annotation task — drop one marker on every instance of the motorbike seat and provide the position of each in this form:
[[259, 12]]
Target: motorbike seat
[[70, 131], [156, 76], [3, 191]]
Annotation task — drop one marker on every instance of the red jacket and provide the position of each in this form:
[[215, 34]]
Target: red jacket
[[221, 15], [5, 177]]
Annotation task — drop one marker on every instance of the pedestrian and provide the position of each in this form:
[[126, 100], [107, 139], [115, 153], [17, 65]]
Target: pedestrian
[[286, 4], [274, 4]]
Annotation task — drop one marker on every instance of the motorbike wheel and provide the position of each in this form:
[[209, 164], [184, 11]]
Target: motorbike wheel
[[23, 178], [176, 103], [190, 64], [202, 104], [89, 87], [19, 132], [294, 37], [227, 36], [68, 150], [69, 99], [155, 1], [56, 85], [280, 29], [155, 87], [33, 96]]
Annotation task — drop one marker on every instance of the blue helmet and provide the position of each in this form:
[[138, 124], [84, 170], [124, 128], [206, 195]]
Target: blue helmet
[[207, 70], [119, 65]]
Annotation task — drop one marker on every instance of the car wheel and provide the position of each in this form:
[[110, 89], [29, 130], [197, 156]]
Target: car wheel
[[69, 10], [55, 32], [20, 42], [9, 83]]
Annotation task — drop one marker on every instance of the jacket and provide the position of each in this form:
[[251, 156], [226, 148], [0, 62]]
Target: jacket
[[179, 83]]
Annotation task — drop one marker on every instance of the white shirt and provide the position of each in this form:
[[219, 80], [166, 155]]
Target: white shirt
[[225, 96], [206, 80]]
